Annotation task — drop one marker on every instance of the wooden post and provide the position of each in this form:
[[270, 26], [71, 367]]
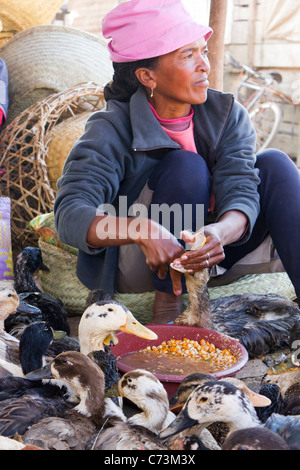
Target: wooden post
[[217, 21]]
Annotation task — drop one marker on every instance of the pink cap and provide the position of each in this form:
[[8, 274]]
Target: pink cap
[[141, 29]]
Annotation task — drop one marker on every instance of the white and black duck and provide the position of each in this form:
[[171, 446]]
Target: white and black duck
[[34, 304]]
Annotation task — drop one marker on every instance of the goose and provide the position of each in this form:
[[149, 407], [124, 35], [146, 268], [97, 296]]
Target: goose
[[84, 426], [34, 305], [261, 322]]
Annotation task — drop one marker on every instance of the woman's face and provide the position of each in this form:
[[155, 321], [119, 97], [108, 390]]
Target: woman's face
[[181, 79]]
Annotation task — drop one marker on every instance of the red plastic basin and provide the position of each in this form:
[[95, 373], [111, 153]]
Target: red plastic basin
[[129, 343]]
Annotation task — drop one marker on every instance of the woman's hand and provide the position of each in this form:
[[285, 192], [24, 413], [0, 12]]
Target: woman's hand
[[160, 248], [228, 229]]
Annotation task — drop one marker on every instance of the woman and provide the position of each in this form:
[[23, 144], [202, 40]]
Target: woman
[[166, 139]]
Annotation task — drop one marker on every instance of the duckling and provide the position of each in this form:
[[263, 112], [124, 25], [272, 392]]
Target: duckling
[[143, 389], [34, 305], [84, 426], [216, 401], [255, 439], [262, 323]]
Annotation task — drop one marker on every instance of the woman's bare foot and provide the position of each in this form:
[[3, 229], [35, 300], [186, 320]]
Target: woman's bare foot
[[166, 307]]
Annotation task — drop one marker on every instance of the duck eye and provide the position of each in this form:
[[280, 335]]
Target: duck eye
[[9, 295], [203, 399], [110, 309]]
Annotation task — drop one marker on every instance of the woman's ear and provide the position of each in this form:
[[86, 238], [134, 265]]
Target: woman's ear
[[146, 77]]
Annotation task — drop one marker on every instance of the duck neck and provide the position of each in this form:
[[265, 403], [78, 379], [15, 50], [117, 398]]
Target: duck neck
[[199, 311], [92, 400], [91, 342], [154, 411], [246, 419]]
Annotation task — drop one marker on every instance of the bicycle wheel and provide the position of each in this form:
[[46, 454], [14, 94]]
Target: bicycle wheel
[[266, 118]]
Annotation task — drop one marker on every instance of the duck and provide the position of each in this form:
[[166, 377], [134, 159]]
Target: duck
[[255, 439], [288, 427], [214, 401], [218, 430], [33, 348], [262, 323], [6, 443], [221, 401], [9, 302], [24, 402], [83, 427], [149, 395], [287, 404], [34, 305]]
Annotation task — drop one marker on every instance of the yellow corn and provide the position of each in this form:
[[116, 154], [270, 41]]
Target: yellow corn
[[194, 349]]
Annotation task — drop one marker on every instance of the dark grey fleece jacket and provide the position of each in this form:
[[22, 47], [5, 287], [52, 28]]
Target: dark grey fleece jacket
[[119, 150]]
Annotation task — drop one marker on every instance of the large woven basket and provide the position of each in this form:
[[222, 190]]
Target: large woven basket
[[48, 59], [24, 146], [61, 282], [17, 15]]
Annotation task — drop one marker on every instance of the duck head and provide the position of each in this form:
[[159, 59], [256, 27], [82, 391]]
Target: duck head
[[101, 319], [34, 344], [9, 302], [211, 402], [80, 373]]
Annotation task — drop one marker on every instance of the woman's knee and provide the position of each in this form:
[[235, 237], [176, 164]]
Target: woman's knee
[[184, 170], [276, 165]]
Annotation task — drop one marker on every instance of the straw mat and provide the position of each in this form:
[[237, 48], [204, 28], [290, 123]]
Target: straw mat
[[61, 282], [48, 59]]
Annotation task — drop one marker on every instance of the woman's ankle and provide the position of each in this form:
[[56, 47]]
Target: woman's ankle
[[166, 307]]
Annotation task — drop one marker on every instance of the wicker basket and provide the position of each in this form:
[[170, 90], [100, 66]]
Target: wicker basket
[[61, 140], [24, 145], [48, 59]]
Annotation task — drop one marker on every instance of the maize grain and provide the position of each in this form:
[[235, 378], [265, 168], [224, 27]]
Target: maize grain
[[194, 349]]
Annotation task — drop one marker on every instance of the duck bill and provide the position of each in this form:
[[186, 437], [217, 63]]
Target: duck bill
[[39, 374], [111, 339], [258, 400], [134, 327], [58, 334], [182, 422]]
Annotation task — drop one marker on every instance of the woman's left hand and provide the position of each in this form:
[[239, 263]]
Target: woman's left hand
[[210, 254]]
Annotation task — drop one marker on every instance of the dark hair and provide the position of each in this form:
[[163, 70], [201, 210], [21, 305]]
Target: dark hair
[[125, 82]]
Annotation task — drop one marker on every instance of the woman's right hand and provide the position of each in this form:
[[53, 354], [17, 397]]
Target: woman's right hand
[[160, 248]]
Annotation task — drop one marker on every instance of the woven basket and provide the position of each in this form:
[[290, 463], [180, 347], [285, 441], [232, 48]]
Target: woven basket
[[61, 140], [24, 146], [48, 59], [61, 282]]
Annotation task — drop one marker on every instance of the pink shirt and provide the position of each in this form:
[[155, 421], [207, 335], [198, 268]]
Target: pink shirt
[[181, 130]]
